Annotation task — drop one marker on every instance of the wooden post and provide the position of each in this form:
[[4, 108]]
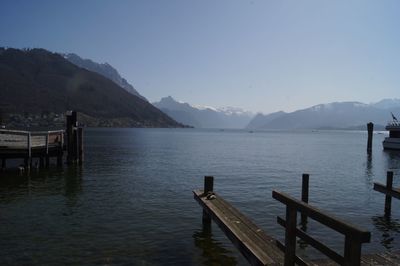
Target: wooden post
[[208, 184], [370, 127], [28, 159], [290, 236], [352, 251], [80, 145], [304, 196], [208, 187], [69, 136], [60, 151], [388, 199], [47, 150], [75, 144], [3, 164]]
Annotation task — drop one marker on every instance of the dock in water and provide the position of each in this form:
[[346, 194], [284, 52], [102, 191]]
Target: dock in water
[[27, 145], [15, 144], [259, 248]]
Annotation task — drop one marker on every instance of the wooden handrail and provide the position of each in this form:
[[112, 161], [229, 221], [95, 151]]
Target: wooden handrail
[[33, 133], [389, 191], [322, 217], [354, 237]]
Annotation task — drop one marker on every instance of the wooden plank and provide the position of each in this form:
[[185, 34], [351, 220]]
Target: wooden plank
[[239, 225], [395, 193], [241, 231], [323, 217]]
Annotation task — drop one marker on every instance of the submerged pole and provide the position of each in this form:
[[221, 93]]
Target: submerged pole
[[370, 127]]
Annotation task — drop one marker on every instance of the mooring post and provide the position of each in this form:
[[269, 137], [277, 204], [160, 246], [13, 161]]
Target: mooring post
[[47, 150], [75, 144], [80, 145], [71, 136], [74, 136], [28, 159], [304, 196], [208, 187], [370, 127], [68, 117], [388, 199]]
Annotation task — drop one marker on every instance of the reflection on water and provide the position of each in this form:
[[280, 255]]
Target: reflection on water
[[392, 160], [131, 202], [390, 229], [368, 169], [43, 182], [213, 252]]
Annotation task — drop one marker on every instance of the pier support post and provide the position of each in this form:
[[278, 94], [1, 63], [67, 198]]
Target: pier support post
[[80, 145], [304, 196], [208, 187], [388, 199], [370, 127], [3, 164], [71, 140]]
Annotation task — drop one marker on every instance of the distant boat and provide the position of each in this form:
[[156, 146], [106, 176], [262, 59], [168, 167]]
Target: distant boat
[[393, 141]]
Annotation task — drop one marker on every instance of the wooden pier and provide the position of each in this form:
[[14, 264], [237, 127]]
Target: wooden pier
[[44, 145], [259, 248]]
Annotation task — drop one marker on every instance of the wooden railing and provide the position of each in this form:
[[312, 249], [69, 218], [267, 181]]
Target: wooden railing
[[389, 191], [29, 139], [354, 237], [27, 144]]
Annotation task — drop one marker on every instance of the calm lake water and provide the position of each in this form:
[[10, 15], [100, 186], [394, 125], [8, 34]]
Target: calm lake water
[[131, 202]]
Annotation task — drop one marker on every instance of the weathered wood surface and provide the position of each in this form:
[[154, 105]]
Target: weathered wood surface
[[251, 241], [383, 258], [19, 139]]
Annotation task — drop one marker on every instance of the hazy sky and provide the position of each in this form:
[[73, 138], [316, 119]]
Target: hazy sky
[[259, 55]]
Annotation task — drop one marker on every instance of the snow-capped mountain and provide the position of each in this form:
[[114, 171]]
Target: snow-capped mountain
[[330, 115], [204, 116]]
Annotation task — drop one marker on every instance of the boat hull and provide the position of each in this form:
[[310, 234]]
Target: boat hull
[[391, 144]]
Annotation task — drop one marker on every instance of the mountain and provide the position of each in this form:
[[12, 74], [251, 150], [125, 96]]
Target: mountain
[[104, 69], [260, 120], [337, 115], [387, 103], [37, 81], [204, 117]]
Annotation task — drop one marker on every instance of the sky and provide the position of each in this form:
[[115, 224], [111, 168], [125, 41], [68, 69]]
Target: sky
[[263, 56]]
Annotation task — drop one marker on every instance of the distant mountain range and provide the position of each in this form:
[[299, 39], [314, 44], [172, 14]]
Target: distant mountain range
[[104, 69], [37, 81], [204, 117], [336, 115]]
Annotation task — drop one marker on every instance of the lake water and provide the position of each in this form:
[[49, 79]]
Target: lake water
[[131, 202]]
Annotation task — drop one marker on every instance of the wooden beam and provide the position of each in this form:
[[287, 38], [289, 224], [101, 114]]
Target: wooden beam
[[395, 193], [322, 217], [257, 247]]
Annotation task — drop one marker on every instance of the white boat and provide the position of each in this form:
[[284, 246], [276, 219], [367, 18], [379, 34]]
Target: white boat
[[393, 141]]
